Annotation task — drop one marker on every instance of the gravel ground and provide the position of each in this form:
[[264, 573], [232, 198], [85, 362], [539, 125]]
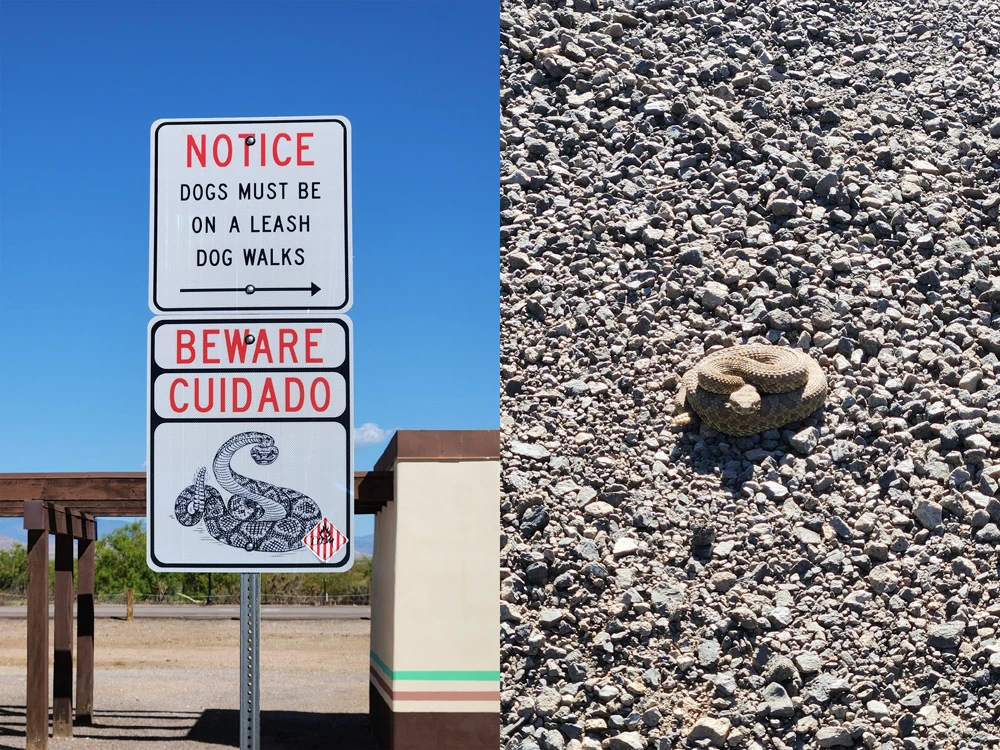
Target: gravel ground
[[677, 176], [171, 683]]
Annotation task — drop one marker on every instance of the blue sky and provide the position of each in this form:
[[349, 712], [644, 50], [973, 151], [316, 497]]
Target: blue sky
[[80, 85]]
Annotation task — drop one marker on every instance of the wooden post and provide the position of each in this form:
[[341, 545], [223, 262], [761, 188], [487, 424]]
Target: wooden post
[[37, 698], [62, 666], [85, 632], [129, 603]]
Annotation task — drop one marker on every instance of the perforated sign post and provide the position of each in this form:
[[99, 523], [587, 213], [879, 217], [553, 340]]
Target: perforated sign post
[[250, 458], [250, 215], [250, 423]]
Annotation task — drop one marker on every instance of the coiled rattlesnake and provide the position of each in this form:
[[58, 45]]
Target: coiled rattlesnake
[[747, 389], [259, 516]]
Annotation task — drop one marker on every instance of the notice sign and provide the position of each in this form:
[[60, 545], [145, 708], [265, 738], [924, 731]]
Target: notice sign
[[250, 454], [250, 215]]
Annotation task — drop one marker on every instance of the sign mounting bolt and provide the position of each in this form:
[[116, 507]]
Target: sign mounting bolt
[[250, 289], [249, 338], [251, 140]]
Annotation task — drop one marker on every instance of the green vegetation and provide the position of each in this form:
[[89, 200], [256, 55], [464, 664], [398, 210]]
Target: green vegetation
[[14, 570], [120, 564]]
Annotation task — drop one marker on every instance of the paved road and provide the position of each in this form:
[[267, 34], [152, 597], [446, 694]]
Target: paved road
[[214, 612]]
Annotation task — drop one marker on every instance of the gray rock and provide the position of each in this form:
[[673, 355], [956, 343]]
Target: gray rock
[[784, 207], [708, 654], [928, 513], [723, 581], [714, 730], [627, 741], [780, 617], [805, 441], [529, 450], [989, 533], [547, 702], [833, 737], [778, 702], [946, 635], [549, 618], [715, 294], [779, 669], [808, 662], [877, 709]]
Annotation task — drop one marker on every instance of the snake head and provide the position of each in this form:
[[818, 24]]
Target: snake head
[[265, 452], [745, 400]]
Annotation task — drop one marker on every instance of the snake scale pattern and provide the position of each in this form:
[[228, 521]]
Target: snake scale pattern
[[259, 516], [743, 390]]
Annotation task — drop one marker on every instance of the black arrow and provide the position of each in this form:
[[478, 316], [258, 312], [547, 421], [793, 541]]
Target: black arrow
[[251, 289]]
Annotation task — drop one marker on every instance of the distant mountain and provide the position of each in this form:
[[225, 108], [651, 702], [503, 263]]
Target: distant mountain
[[364, 546]]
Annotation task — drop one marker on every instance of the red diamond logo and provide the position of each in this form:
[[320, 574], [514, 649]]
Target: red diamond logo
[[324, 540]]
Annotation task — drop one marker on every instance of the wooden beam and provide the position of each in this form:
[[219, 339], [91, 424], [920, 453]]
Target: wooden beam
[[85, 631], [124, 494], [37, 697], [57, 519], [62, 665]]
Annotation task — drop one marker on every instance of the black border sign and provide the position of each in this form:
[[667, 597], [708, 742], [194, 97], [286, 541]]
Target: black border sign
[[247, 423], [260, 299]]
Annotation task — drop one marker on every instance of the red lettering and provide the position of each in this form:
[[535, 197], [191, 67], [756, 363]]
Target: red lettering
[[236, 345], [211, 396], [267, 395], [178, 408], [301, 148], [222, 395], [185, 342], [312, 394], [237, 407], [287, 337], [246, 147], [229, 149], [263, 348], [207, 346], [312, 344], [288, 394], [274, 149], [192, 148], [263, 149]]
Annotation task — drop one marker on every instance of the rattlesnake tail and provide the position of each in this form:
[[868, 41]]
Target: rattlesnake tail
[[190, 504]]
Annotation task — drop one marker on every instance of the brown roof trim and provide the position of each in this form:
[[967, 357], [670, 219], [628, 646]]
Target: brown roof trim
[[440, 445]]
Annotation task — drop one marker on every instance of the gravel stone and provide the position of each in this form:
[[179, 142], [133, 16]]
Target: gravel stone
[[834, 737], [778, 702], [627, 741], [946, 635], [928, 513], [714, 730]]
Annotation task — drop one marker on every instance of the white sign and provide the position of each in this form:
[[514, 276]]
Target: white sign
[[250, 215], [250, 444]]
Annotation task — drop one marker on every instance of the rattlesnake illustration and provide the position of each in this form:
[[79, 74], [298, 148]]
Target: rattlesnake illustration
[[259, 516], [751, 388]]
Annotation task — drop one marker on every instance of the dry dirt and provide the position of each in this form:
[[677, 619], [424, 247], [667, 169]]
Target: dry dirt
[[173, 684]]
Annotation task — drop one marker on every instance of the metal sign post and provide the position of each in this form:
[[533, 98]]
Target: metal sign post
[[250, 416], [250, 661]]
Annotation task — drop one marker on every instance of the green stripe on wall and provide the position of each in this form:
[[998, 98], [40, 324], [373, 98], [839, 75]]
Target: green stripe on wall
[[436, 674]]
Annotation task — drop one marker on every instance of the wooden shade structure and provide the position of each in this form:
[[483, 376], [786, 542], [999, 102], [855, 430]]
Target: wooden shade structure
[[66, 505]]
